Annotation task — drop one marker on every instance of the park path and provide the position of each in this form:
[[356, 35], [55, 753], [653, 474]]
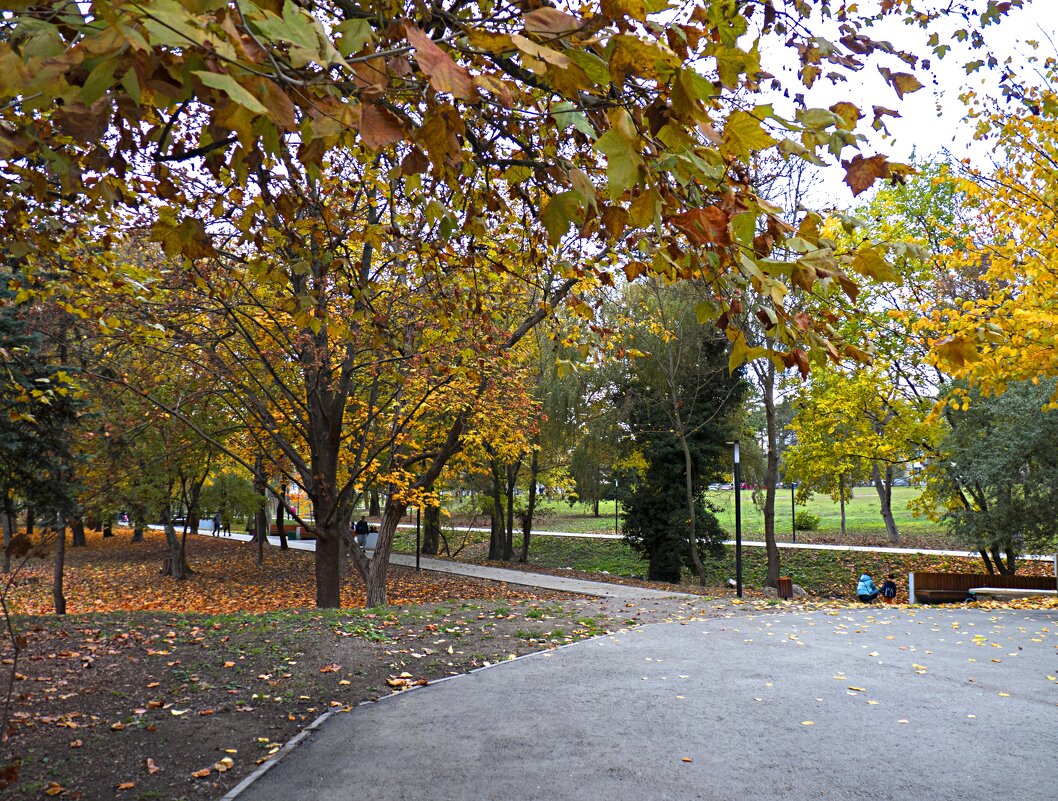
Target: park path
[[598, 589], [886, 704]]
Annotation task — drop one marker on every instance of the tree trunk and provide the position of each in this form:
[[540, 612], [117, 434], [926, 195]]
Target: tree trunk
[[508, 534], [29, 521], [376, 578], [174, 563], [374, 507], [108, 528], [530, 508], [988, 562], [688, 483], [328, 567], [884, 487], [77, 539], [431, 535], [496, 538], [841, 495], [137, 532], [260, 520], [9, 530], [771, 477], [280, 509], [57, 573]]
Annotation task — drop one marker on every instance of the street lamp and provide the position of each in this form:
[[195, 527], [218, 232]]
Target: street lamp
[[738, 522], [793, 510]]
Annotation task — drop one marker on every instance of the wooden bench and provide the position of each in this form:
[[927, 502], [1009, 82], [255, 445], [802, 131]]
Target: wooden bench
[[956, 587]]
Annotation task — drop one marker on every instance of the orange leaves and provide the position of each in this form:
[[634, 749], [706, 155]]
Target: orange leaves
[[380, 127], [115, 574], [444, 74], [332, 668], [707, 226], [861, 173]]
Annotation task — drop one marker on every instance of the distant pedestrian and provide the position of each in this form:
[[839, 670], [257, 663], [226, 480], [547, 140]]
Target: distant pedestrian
[[866, 590], [361, 531], [216, 524], [889, 589]]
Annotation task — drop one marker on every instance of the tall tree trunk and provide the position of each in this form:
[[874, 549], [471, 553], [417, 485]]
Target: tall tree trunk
[[77, 539], [260, 519], [9, 529], [57, 573], [530, 507], [688, 483], [29, 521], [496, 538], [841, 495], [376, 578], [280, 509], [137, 531], [988, 562], [175, 563], [328, 566], [374, 507], [108, 528], [508, 535], [431, 534], [884, 487], [771, 476]]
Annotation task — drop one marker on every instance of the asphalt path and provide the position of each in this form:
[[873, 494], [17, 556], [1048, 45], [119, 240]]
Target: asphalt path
[[865, 704]]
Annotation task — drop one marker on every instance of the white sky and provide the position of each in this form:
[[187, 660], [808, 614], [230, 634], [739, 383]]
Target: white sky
[[932, 118]]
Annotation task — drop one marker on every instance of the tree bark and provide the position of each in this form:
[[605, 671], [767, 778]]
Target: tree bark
[[771, 476], [688, 482], [29, 521], [9, 529], [496, 538], [108, 528], [530, 508], [508, 534], [328, 567], [260, 520], [57, 574], [280, 508], [884, 487], [431, 535], [374, 507], [376, 577], [174, 565], [841, 495], [77, 531]]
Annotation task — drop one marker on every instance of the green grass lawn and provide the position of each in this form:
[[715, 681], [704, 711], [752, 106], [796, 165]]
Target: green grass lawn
[[862, 513]]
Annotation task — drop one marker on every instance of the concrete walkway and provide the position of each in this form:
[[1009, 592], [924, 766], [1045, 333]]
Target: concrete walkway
[[524, 578], [881, 704]]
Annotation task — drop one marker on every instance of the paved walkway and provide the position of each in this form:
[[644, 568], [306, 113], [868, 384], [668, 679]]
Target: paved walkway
[[886, 704], [599, 589]]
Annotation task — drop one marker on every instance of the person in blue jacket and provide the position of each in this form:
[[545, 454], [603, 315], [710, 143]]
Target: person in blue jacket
[[866, 590]]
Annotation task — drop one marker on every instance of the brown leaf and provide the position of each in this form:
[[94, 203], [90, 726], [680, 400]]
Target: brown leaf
[[861, 173], [9, 773], [84, 123], [551, 21], [151, 767], [126, 785], [332, 668], [76, 743], [380, 127], [708, 226], [444, 74], [54, 788], [223, 765], [200, 774]]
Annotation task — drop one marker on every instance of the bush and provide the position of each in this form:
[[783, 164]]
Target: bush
[[806, 521]]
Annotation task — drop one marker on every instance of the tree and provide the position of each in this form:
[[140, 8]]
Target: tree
[[995, 476], [677, 402], [855, 423]]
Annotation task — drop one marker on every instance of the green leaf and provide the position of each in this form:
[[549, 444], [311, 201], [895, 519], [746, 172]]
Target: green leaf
[[622, 162], [594, 67], [744, 136], [225, 83], [561, 211], [354, 34], [99, 80]]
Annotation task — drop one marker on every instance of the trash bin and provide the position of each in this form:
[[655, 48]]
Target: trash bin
[[784, 587]]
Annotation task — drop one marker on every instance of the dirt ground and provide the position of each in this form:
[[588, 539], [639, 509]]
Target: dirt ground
[[156, 689]]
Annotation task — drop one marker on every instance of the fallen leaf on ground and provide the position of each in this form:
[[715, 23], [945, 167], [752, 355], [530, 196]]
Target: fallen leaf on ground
[[225, 764], [201, 774], [151, 767], [126, 785], [54, 788]]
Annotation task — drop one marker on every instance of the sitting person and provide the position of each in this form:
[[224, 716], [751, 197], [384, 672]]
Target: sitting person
[[866, 590], [889, 589]]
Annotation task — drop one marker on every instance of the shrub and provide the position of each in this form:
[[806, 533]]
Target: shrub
[[806, 521]]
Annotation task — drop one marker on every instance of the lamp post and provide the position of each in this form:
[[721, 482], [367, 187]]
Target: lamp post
[[793, 511], [738, 522], [616, 509], [418, 539]]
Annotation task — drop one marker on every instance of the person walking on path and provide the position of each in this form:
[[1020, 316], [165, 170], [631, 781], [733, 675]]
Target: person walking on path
[[361, 531], [216, 524], [866, 590]]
